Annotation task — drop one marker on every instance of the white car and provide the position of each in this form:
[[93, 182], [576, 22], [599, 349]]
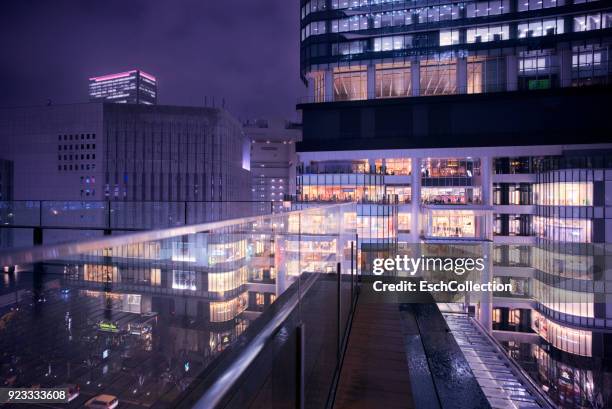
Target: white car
[[102, 402]]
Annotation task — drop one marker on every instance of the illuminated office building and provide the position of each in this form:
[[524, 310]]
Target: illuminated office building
[[477, 122], [377, 49], [129, 87], [273, 160]]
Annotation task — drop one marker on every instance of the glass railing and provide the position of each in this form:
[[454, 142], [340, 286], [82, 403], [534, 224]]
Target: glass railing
[[23, 223], [215, 315], [125, 215]]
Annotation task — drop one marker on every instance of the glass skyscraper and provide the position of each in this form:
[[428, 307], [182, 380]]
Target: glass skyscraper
[[371, 49]]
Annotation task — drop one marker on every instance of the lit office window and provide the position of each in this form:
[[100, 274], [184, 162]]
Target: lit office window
[[449, 37], [539, 28], [487, 33], [393, 80], [525, 5], [340, 4], [594, 21], [487, 8], [438, 77], [392, 43], [350, 83]]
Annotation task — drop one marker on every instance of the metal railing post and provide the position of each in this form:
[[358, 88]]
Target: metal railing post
[[352, 275], [301, 366], [338, 305]]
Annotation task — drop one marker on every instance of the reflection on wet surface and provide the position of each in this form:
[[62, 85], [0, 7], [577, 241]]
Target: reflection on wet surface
[[142, 347]]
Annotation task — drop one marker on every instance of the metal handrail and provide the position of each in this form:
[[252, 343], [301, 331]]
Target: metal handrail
[[224, 383], [54, 251]]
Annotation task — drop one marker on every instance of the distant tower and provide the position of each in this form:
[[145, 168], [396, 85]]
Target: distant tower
[[129, 87]]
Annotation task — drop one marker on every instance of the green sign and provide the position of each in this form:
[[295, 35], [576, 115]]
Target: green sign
[[107, 326], [539, 84]]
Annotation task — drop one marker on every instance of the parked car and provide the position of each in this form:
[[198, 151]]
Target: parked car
[[102, 402]]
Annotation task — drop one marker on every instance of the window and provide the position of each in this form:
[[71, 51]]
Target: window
[[564, 194], [340, 4], [392, 43], [394, 166], [438, 77], [393, 80], [524, 5], [534, 62], [487, 33], [593, 21], [349, 47], [487, 8], [587, 64], [539, 28], [350, 83], [449, 37]]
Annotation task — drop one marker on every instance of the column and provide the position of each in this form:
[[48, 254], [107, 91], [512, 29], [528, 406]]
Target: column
[[415, 78], [565, 67], [462, 75], [280, 262], [486, 171], [511, 73], [486, 297], [415, 187], [329, 85], [485, 311], [311, 89], [371, 81]]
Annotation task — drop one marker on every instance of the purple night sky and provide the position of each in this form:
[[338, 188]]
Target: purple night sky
[[246, 51]]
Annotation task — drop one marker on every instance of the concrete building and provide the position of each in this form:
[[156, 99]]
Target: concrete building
[[123, 152], [6, 179], [6, 194], [129, 87], [273, 159]]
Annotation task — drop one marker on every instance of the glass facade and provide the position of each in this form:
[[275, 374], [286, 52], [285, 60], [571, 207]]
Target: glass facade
[[407, 48]]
